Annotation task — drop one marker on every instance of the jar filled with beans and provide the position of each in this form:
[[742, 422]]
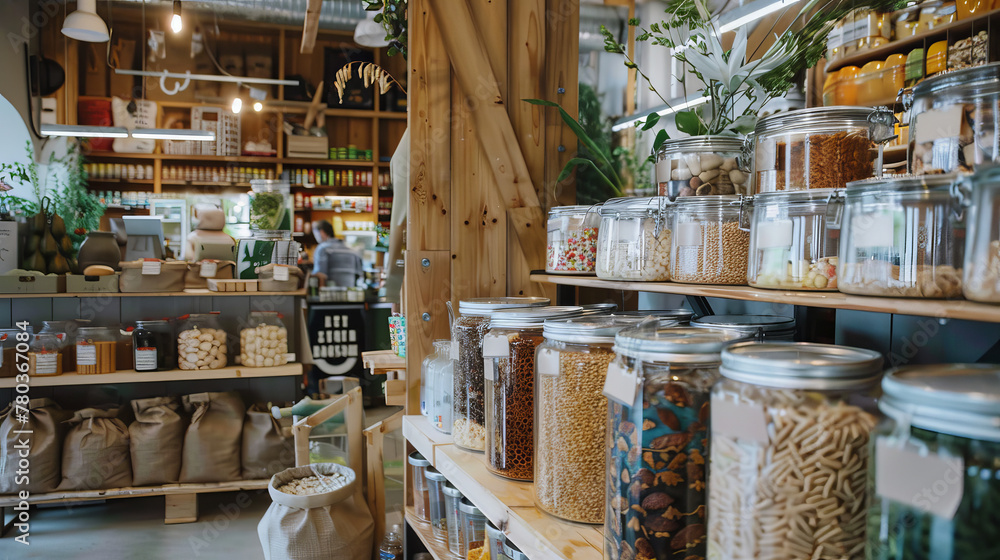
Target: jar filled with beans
[[201, 342], [571, 416], [659, 388], [468, 429], [791, 424], [634, 239], [509, 372], [709, 246]]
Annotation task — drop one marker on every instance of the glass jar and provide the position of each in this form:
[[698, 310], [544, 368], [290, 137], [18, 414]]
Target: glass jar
[[701, 166], [421, 496], [942, 422], [572, 239], [659, 388], [201, 342], [675, 316], [794, 240], [429, 374], [441, 374], [981, 272], [96, 349], [494, 539], [435, 504], [124, 353], [903, 238], [153, 344], [66, 332], [473, 526], [634, 239], [270, 205], [708, 246], [264, 341], [452, 499], [8, 351], [571, 417], [766, 328], [468, 428], [509, 367], [820, 148], [790, 433], [44, 356]]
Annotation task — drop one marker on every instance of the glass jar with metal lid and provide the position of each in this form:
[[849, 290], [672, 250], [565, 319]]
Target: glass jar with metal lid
[[981, 271], [572, 239], [903, 238], [701, 166], [678, 316], [953, 121], [509, 373], [767, 328], [790, 432], [65, 331], [708, 245], [453, 517], [96, 350], [264, 340], [819, 148], [571, 416], [659, 387], [599, 308], [794, 239], [473, 526], [468, 429], [201, 342], [936, 490], [634, 239], [44, 356]]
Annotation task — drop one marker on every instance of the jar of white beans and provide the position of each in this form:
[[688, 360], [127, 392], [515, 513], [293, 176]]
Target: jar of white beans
[[789, 451]]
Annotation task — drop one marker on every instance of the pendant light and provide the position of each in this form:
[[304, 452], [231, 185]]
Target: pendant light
[[176, 24], [85, 25]]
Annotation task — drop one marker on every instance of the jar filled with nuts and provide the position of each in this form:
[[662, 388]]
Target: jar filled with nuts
[[571, 416], [659, 387], [903, 237], [791, 424], [701, 166], [201, 342], [709, 246], [572, 239], [634, 240], [794, 239], [264, 342], [468, 429], [509, 372]]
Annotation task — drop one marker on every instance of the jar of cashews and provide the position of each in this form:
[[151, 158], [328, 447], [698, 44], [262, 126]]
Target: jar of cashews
[[790, 429]]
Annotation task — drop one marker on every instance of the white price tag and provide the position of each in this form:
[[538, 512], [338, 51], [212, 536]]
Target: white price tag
[[145, 359], [454, 349], [496, 346], [873, 230], [739, 420], [149, 267], [689, 234], [489, 372], [547, 362], [209, 269], [86, 355], [622, 384], [46, 363], [280, 273], [774, 234], [935, 124], [662, 170], [926, 481]]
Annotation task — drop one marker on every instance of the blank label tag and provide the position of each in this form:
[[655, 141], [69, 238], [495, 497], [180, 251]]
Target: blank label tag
[[495, 346], [150, 266], [209, 268], [454, 349], [280, 273], [929, 482], [689, 234], [873, 230], [774, 234], [547, 362], [739, 420], [939, 123], [621, 384], [489, 372]]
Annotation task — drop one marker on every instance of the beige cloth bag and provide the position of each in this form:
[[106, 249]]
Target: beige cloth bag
[[213, 439], [156, 440], [334, 524], [267, 445], [45, 420], [95, 451]]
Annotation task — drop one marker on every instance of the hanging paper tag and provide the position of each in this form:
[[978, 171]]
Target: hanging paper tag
[[489, 372], [689, 234], [280, 273], [621, 384], [547, 362], [454, 349], [739, 420], [209, 269], [150, 267], [496, 346], [929, 482]]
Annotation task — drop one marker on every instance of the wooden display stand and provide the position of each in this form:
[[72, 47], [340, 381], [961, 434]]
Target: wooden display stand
[[386, 362]]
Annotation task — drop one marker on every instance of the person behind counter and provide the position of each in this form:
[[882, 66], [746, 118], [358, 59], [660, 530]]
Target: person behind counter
[[334, 262]]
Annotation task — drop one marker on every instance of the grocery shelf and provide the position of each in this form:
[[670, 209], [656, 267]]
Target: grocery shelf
[[132, 376], [136, 492], [185, 293], [437, 549], [324, 162], [423, 437], [948, 309]]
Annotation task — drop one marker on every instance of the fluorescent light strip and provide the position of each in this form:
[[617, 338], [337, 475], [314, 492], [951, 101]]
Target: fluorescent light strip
[[662, 112], [79, 131], [173, 134], [208, 77], [756, 13]]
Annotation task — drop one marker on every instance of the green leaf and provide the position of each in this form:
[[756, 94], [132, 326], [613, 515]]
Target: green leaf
[[661, 137], [571, 164], [689, 123], [633, 21], [602, 155], [651, 121]]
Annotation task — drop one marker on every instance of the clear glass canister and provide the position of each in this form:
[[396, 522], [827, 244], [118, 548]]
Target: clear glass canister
[[44, 356], [673, 316], [430, 385], [943, 421], [903, 238], [473, 526], [953, 125], [270, 205], [701, 166], [153, 342], [201, 342], [96, 349], [572, 239], [421, 496], [571, 416], [509, 368], [8, 350], [468, 413], [436, 509], [820, 148], [789, 457], [981, 272], [767, 328], [794, 239], [65, 331], [264, 341], [634, 240], [658, 388], [708, 246], [452, 499], [440, 406]]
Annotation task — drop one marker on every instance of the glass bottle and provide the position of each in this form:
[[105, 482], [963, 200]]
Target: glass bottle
[[392, 545]]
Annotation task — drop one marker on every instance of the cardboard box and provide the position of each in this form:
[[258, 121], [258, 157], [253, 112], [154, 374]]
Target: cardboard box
[[29, 284], [9, 250], [80, 284], [307, 147]]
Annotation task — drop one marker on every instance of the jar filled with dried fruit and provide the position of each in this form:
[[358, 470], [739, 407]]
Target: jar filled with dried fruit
[[201, 342], [708, 246], [981, 272], [819, 148], [509, 372], [634, 240], [659, 387], [903, 238], [943, 421], [96, 350], [571, 416], [701, 166], [765, 328], [468, 428], [572, 239], [790, 432], [794, 239]]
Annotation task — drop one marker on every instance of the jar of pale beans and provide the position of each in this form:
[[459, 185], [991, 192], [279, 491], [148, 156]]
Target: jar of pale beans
[[709, 245], [791, 424]]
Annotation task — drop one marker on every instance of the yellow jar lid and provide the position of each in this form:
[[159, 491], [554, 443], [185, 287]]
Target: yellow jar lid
[[873, 67], [937, 57], [895, 60], [848, 72]]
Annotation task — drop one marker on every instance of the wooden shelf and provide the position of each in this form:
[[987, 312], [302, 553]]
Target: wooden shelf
[[132, 376], [328, 162], [122, 180], [136, 492], [949, 309], [186, 293], [437, 549], [176, 183]]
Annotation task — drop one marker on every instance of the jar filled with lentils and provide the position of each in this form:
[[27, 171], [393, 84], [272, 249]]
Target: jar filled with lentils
[[509, 368], [571, 416], [468, 429], [709, 246]]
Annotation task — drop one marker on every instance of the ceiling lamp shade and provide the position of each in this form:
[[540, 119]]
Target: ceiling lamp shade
[[370, 34], [85, 25]]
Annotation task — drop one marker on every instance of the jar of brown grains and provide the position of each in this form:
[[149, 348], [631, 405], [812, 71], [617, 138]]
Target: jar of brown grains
[[709, 246]]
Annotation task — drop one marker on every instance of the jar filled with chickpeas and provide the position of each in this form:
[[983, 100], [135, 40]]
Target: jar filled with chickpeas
[[264, 341], [791, 424], [201, 342], [709, 246]]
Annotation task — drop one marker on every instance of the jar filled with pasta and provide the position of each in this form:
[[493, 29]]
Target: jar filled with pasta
[[572, 239], [634, 240], [701, 166], [790, 430], [708, 245]]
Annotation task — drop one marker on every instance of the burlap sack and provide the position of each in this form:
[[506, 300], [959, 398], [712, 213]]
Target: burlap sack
[[157, 440], [334, 524], [45, 420], [95, 451], [267, 445], [213, 439]]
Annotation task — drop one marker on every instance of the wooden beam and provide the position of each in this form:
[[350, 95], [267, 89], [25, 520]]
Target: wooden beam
[[562, 46], [310, 28], [429, 288]]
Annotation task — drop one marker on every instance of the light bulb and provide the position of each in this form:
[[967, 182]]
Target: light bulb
[[175, 21], [237, 105], [258, 106]]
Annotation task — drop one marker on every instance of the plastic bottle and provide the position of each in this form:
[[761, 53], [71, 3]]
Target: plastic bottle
[[392, 545]]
